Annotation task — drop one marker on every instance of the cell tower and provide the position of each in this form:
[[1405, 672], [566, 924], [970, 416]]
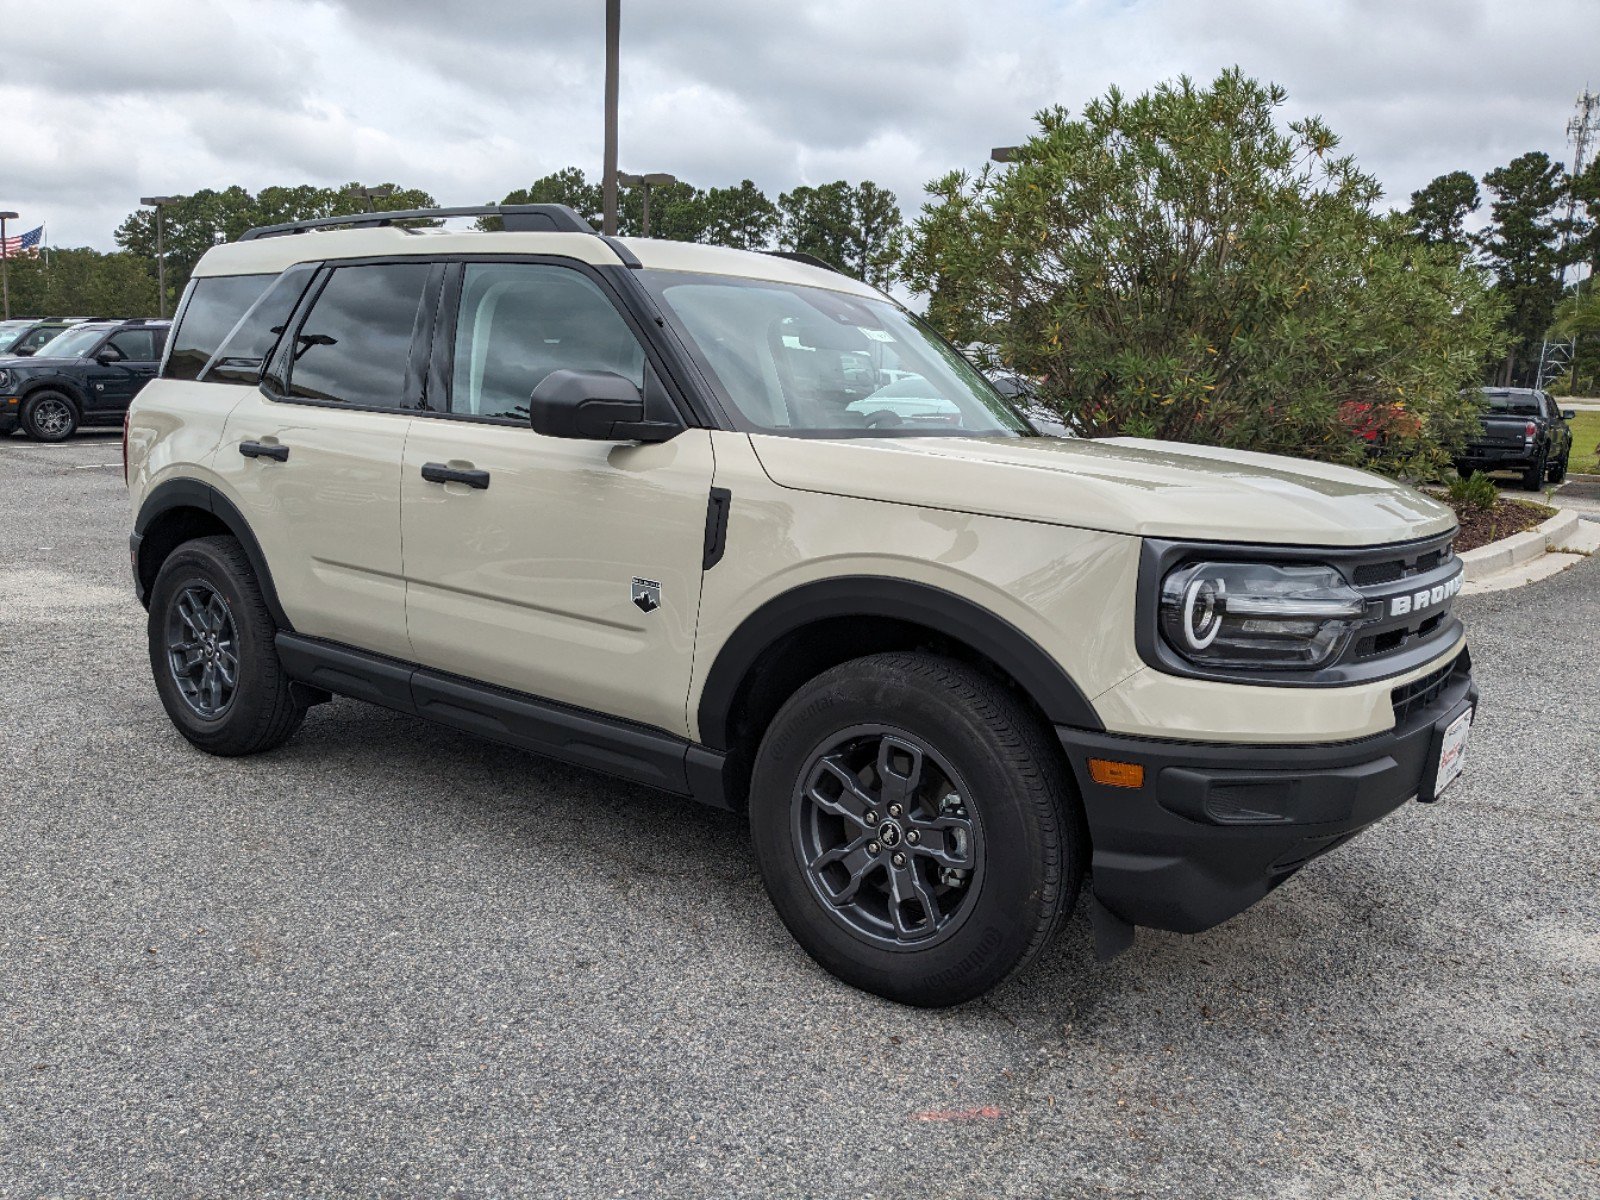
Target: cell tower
[[1581, 132]]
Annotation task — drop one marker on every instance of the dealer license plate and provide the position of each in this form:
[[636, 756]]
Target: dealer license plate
[[1453, 752]]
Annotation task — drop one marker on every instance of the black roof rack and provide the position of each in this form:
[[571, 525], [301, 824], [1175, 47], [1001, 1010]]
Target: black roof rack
[[517, 218], [145, 320], [800, 256]]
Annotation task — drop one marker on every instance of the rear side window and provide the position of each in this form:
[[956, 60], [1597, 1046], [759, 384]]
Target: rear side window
[[240, 358], [135, 345], [354, 346], [214, 308]]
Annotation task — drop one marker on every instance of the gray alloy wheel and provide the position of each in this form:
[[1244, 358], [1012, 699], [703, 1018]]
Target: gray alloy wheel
[[203, 650], [50, 417], [886, 836]]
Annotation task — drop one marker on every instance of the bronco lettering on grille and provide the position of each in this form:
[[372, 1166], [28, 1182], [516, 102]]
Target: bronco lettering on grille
[[1399, 606]]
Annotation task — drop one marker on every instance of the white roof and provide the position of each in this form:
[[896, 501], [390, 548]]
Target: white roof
[[269, 255]]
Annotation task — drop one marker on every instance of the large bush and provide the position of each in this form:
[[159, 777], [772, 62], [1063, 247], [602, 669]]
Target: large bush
[[1180, 266]]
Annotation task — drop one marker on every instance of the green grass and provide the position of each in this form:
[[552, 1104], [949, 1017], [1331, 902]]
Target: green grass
[[1585, 436]]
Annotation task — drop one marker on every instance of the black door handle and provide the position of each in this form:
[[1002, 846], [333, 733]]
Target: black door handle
[[439, 473], [264, 450]]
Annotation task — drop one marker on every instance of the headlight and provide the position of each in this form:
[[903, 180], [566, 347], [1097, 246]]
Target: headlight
[[1233, 614], [5, 379]]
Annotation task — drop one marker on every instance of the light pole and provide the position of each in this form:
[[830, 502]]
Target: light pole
[[5, 262], [370, 194], [158, 203], [608, 183], [654, 180], [1004, 154]]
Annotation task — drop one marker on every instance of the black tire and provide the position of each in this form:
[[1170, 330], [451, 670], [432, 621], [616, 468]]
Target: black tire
[[1025, 846], [49, 416], [1558, 473], [1533, 477], [212, 576]]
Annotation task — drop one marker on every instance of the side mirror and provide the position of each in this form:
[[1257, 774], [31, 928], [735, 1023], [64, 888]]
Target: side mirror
[[107, 355], [599, 406], [1569, 414], [24, 351]]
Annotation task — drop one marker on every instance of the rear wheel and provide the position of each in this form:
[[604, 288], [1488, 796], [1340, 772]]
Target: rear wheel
[[49, 417], [212, 652], [1558, 473], [915, 828], [1533, 477]]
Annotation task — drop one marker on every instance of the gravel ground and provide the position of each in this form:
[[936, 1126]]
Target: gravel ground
[[388, 960]]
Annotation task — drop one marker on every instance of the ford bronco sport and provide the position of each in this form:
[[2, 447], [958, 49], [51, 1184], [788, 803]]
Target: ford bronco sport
[[85, 375], [741, 528]]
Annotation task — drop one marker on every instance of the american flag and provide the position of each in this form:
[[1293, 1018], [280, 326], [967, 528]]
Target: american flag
[[25, 243]]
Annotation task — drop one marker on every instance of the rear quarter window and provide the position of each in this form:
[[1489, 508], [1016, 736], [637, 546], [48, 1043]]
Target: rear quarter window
[[214, 308]]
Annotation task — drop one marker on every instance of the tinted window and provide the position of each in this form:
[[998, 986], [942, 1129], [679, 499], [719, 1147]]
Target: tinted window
[[519, 322], [355, 344], [214, 308], [239, 359], [135, 345], [40, 336]]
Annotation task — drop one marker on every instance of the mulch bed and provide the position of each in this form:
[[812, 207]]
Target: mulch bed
[[1480, 526]]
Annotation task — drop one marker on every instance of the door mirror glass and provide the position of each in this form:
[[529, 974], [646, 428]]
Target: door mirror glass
[[596, 405]]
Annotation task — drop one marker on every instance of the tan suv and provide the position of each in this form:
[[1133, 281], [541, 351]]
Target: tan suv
[[741, 528]]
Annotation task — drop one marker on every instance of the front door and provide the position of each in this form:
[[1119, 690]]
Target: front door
[[574, 572], [125, 362], [315, 465]]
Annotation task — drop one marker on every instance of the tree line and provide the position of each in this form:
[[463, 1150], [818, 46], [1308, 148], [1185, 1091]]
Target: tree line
[[1542, 221], [1187, 264]]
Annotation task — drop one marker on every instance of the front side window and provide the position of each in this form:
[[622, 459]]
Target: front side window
[[518, 322], [214, 308], [793, 359], [73, 343], [354, 346]]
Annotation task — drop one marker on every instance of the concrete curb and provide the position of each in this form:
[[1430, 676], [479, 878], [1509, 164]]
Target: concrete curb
[[1508, 552]]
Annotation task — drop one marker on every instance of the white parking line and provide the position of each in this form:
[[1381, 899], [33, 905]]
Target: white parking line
[[95, 466]]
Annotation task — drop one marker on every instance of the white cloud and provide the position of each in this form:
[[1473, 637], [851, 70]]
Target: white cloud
[[103, 102]]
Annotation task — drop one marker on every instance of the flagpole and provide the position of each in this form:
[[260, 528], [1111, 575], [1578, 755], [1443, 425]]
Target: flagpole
[[5, 264]]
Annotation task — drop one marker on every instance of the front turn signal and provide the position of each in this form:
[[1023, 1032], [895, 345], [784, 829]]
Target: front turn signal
[[1116, 774]]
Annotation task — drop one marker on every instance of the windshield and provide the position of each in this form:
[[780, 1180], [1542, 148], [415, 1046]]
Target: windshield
[[791, 359], [1517, 405], [74, 343], [11, 333]]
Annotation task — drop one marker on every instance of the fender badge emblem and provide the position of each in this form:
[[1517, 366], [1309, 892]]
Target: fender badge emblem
[[646, 595]]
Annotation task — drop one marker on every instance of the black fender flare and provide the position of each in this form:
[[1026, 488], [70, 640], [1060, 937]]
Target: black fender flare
[[192, 493], [70, 388], [953, 616]]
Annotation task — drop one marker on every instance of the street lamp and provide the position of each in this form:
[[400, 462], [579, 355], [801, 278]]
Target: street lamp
[[608, 183], [654, 180], [158, 203], [1004, 154], [5, 260], [370, 194]]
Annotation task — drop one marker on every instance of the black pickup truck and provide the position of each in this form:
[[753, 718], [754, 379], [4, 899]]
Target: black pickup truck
[[1522, 430]]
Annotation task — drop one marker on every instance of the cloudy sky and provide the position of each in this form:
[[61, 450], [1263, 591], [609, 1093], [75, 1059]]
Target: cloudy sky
[[104, 102]]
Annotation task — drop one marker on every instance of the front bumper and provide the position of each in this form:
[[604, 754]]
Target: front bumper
[[1215, 827]]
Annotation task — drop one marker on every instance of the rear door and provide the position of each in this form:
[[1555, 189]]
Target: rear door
[[574, 572], [312, 457]]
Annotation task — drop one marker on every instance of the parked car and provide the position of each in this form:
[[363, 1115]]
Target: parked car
[[1522, 430], [637, 505], [22, 338], [85, 375]]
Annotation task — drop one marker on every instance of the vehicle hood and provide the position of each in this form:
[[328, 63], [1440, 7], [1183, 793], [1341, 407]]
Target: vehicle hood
[[1121, 485], [12, 362]]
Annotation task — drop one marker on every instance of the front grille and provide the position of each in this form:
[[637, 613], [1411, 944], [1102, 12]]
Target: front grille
[[1390, 570], [1413, 697]]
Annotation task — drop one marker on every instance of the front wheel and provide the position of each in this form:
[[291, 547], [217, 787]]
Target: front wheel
[[212, 651], [915, 827], [49, 417]]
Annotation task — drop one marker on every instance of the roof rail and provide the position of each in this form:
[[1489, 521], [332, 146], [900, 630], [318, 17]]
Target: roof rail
[[144, 320], [517, 218], [800, 256]]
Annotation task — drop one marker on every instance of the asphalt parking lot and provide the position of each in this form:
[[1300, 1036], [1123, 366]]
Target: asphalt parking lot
[[387, 959]]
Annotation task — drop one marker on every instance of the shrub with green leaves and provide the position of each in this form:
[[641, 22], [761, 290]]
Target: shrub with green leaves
[[1477, 490], [1180, 266]]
